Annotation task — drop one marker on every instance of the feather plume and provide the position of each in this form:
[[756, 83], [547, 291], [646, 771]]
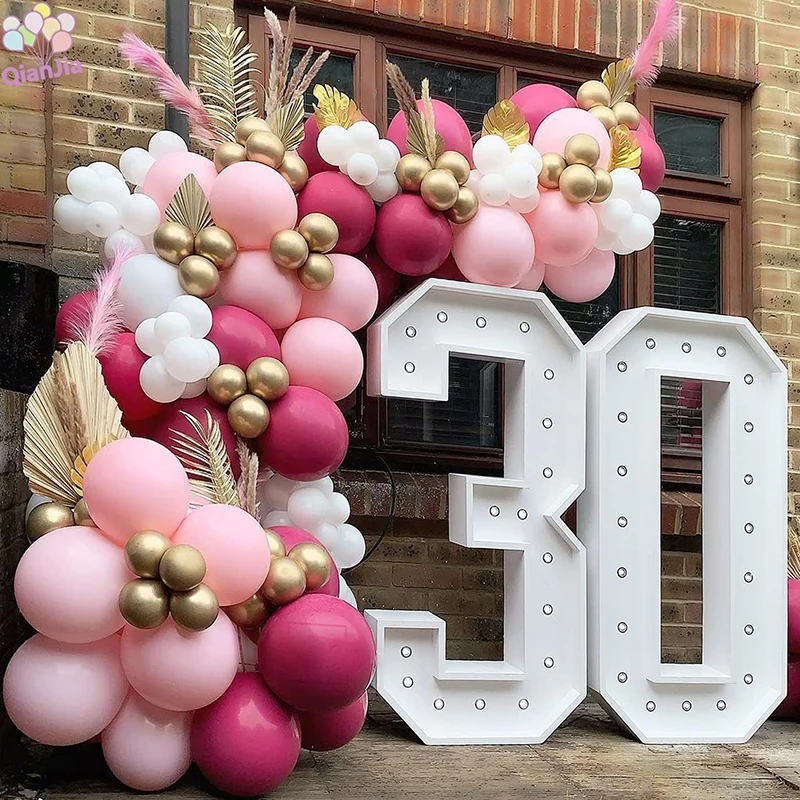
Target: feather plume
[[277, 81], [418, 135], [434, 143], [171, 88], [794, 552], [666, 26], [248, 480]]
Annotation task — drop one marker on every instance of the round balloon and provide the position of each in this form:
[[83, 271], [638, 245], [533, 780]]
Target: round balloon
[[532, 279], [291, 536], [121, 364], [789, 709], [794, 617], [241, 337], [335, 729], [449, 124], [387, 280], [565, 233], [539, 100], [75, 311], [653, 167], [308, 149], [556, 129], [168, 173], [147, 285], [584, 281]]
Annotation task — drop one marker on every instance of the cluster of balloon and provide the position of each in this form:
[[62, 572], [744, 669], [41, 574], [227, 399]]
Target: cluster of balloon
[[789, 709]]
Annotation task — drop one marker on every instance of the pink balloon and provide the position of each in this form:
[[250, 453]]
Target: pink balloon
[[794, 617], [351, 299], [121, 364], [645, 127], [169, 172], [68, 582], [61, 42], [539, 100], [308, 149], [410, 237], [252, 202], [335, 729], [324, 355], [234, 547], [495, 247], [564, 232], [179, 670], [247, 742], [255, 283], [556, 129], [241, 337], [317, 653], [348, 205], [653, 167], [62, 694], [292, 536], [789, 709], [583, 281], [146, 747], [532, 280], [74, 311], [135, 485], [387, 280], [307, 435], [449, 123]]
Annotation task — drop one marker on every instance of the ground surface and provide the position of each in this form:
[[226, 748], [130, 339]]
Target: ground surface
[[586, 759]]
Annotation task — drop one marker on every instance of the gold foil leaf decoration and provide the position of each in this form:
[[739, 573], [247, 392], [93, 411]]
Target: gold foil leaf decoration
[[189, 206], [507, 121], [618, 79], [82, 461], [625, 150], [334, 107], [287, 123]]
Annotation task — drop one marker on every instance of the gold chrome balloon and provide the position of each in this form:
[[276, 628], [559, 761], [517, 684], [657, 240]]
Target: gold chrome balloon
[[81, 514], [627, 114], [196, 609], [216, 245], [248, 416], [410, 171], [247, 126], [552, 167], [320, 231], [228, 153], [294, 171], [289, 249], [198, 276], [48, 517], [439, 189], [605, 115], [604, 185], [226, 383], [182, 567], [465, 207], [315, 561], [455, 164], [317, 272], [582, 149], [267, 378], [276, 546], [578, 183], [144, 603], [286, 581], [143, 552], [265, 148], [173, 242], [250, 614], [592, 94]]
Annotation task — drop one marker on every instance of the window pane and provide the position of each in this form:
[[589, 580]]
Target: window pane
[[586, 319], [337, 71], [690, 144], [525, 80], [470, 418], [472, 92]]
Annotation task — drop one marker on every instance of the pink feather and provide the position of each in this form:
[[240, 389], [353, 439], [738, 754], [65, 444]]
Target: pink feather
[[666, 26], [171, 88]]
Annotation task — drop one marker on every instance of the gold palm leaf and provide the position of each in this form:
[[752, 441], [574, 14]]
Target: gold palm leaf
[[189, 206], [287, 123], [507, 121], [625, 150], [618, 79], [334, 107]]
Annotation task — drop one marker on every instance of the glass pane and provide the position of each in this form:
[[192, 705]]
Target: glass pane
[[337, 71], [586, 319], [472, 92], [690, 144], [525, 80], [470, 418], [682, 415]]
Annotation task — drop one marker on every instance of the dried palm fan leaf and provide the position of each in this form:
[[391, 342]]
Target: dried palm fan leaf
[[506, 121], [422, 137], [189, 206], [625, 150], [794, 552], [434, 143], [69, 411], [334, 107], [206, 461], [618, 79], [287, 123], [225, 79], [248, 479]]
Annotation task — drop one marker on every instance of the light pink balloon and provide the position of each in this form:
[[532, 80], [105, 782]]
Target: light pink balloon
[[352, 297], [323, 355], [62, 694], [496, 247], [558, 127], [565, 232], [532, 280], [67, 585], [169, 172], [234, 547], [252, 202], [583, 281], [61, 42], [134, 485], [178, 670], [256, 284], [67, 21], [146, 747], [34, 21]]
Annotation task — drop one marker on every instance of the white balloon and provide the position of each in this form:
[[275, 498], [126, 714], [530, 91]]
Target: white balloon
[[146, 339], [525, 204], [278, 489], [474, 181], [627, 185], [338, 509], [384, 187], [102, 219], [134, 164], [637, 234], [186, 358], [614, 214], [648, 205], [327, 534], [364, 136], [335, 145], [493, 189], [277, 518], [122, 241], [606, 240], [362, 169], [308, 507], [349, 548], [35, 500], [491, 154], [196, 311], [157, 383], [147, 286], [171, 325], [70, 214], [115, 192], [325, 485], [213, 355], [528, 154], [346, 593], [521, 179], [621, 250], [386, 155], [140, 214], [107, 171], [195, 389], [85, 184], [165, 142]]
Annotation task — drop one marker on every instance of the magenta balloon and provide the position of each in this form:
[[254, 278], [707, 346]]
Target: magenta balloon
[[348, 205], [387, 280], [539, 100], [317, 653], [241, 337], [74, 312], [449, 124], [789, 709], [292, 536], [121, 364], [62, 694], [179, 670], [583, 281], [68, 582], [532, 280], [557, 129], [308, 149], [247, 742], [794, 617], [307, 435], [335, 729], [411, 238], [565, 233], [645, 127], [146, 747], [169, 172], [653, 167]]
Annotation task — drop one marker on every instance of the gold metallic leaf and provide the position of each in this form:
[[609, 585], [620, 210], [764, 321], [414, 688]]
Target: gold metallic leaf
[[82, 461], [287, 123], [189, 206], [334, 107], [507, 121], [625, 150], [618, 79]]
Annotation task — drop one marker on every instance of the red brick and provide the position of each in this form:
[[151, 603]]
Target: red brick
[[544, 22], [565, 33], [24, 204], [608, 29], [521, 20], [747, 49], [587, 25], [411, 9], [27, 231], [454, 13], [389, 7], [628, 28], [432, 11], [727, 45], [690, 54], [708, 42], [499, 22]]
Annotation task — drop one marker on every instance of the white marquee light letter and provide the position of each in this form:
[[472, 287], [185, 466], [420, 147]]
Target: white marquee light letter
[[743, 674], [542, 677]]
